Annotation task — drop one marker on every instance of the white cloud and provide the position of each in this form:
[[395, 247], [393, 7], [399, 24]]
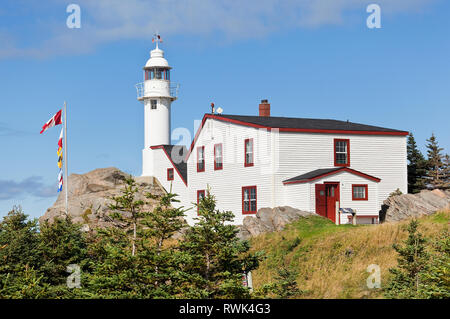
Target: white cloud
[[31, 186], [6, 130], [105, 21]]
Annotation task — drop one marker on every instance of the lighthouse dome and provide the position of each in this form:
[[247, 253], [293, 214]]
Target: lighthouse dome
[[157, 59]]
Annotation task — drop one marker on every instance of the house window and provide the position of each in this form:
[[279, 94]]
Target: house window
[[359, 192], [153, 104], [248, 152], [218, 157], [341, 152], [249, 200], [170, 174], [200, 196], [200, 159]]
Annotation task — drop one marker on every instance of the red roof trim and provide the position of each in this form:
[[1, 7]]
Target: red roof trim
[[304, 130], [170, 159], [344, 169]]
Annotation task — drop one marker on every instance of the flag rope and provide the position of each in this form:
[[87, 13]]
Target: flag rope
[[65, 160]]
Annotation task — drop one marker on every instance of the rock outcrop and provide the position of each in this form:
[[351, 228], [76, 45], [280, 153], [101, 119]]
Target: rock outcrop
[[90, 194], [270, 220], [404, 206]]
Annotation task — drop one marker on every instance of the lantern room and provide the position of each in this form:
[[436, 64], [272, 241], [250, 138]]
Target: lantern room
[[157, 73], [157, 67]]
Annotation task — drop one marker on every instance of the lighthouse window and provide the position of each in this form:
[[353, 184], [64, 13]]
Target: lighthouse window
[[158, 74], [167, 75], [153, 104]]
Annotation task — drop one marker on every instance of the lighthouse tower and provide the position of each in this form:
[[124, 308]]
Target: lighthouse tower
[[157, 94]]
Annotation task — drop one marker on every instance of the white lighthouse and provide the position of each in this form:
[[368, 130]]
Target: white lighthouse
[[157, 94]]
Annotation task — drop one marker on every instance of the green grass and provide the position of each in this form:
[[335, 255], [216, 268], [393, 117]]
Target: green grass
[[331, 260]]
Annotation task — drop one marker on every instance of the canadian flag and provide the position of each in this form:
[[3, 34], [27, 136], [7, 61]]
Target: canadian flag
[[55, 120]]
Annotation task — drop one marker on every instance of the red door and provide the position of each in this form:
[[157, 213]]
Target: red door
[[332, 194], [321, 200]]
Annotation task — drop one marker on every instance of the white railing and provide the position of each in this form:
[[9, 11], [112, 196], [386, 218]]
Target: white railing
[[140, 90], [173, 90]]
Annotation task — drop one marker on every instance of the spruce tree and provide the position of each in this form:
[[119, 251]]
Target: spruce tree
[[436, 280], [412, 263], [416, 166], [61, 243], [19, 242], [284, 287], [127, 204], [435, 165], [446, 172], [113, 270], [215, 258], [159, 256], [154, 270], [20, 258]]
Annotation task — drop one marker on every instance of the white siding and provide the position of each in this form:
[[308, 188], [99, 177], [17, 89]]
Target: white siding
[[381, 156], [282, 155], [226, 184], [298, 196], [346, 180]]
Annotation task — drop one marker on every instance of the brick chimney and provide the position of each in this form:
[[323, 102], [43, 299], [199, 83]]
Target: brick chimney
[[264, 108]]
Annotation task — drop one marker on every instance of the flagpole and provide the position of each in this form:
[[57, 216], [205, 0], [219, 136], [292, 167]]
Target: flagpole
[[66, 180]]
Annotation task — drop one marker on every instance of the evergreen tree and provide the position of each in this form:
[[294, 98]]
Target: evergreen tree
[[153, 271], [19, 241], [159, 255], [284, 287], [215, 258], [446, 172], [127, 204], [113, 266], [20, 257], [24, 284], [435, 165], [436, 281], [113, 270], [61, 244], [412, 263], [416, 166]]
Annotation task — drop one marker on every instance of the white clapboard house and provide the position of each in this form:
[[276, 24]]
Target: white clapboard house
[[251, 162]]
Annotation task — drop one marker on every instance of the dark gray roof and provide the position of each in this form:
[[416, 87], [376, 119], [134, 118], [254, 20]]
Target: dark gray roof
[[312, 174], [304, 123], [322, 171], [177, 154]]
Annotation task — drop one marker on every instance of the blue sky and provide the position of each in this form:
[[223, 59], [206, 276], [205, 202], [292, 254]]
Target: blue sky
[[312, 59]]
